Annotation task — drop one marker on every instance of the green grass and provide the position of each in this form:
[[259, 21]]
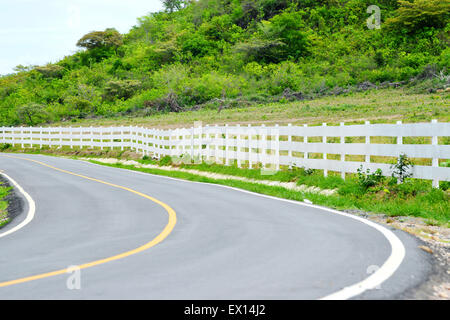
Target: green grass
[[301, 176], [413, 198], [4, 191]]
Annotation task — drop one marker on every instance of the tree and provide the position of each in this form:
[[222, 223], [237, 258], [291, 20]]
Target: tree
[[278, 39], [32, 113], [100, 45], [287, 27], [121, 89], [260, 50], [50, 71], [196, 44], [402, 169], [173, 5], [416, 15], [110, 38], [21, 68]]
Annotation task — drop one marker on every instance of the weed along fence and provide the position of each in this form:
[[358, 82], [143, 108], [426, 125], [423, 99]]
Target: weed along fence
[[342, 148]]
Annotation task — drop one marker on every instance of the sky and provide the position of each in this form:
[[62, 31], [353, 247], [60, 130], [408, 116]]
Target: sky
[[37, 32]]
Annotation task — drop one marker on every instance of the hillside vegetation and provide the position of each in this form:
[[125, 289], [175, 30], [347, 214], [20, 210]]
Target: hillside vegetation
[[208, 55]]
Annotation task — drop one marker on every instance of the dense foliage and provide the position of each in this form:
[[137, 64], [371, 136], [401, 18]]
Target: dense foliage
[[197, 54]]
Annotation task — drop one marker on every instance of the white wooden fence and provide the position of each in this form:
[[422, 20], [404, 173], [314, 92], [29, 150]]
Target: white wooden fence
[[267, 147]]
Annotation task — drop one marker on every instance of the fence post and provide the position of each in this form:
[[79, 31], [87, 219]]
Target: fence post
[[121, 138], [249, 139], [151, 141], [144, 141], [31, 137], [154, 142], [192, 144], [227, 137], [171, 142], [112, 133], [71, 138], [277, 147], [134, 139], [60, 138], [101, 137], [164, 142], [367, 141], [217, 137], [324, 140], [305, 141], [399, 138], [264, 146], [180, 143], [290, 145], [81, 138], [21, 137], [130, 135], [238, 146], [435, 161], [342, 152], [208, 143], [92, 136], [200, 143]]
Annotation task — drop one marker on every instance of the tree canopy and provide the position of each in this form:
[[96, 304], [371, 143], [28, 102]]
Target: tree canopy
[[419, 14], [110, 38]]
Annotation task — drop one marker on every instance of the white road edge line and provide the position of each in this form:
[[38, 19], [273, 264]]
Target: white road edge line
[[373, 281], [31, 207]]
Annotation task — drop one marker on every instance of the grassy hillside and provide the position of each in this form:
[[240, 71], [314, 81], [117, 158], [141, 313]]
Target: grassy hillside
[[266, 59], [387, 105]]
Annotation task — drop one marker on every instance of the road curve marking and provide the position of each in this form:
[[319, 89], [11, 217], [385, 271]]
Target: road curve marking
[[31, 207], [158, 239], [374, 280]]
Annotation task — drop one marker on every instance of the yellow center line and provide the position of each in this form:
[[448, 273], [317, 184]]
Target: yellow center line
[[163, 235]]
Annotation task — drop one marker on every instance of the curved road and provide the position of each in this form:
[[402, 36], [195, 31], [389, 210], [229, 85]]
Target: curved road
[[226, 244]]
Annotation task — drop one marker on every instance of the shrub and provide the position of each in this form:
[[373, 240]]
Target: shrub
[[50, 71], [121, 89], [170, 103], [402, 169], [196, 45], [367, 179], [165, 161], [5, 146]]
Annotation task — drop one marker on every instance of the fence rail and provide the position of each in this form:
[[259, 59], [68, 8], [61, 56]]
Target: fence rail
[[316, 147]]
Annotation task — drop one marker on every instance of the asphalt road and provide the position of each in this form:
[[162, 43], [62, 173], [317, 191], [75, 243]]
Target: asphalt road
[[226, 244]]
